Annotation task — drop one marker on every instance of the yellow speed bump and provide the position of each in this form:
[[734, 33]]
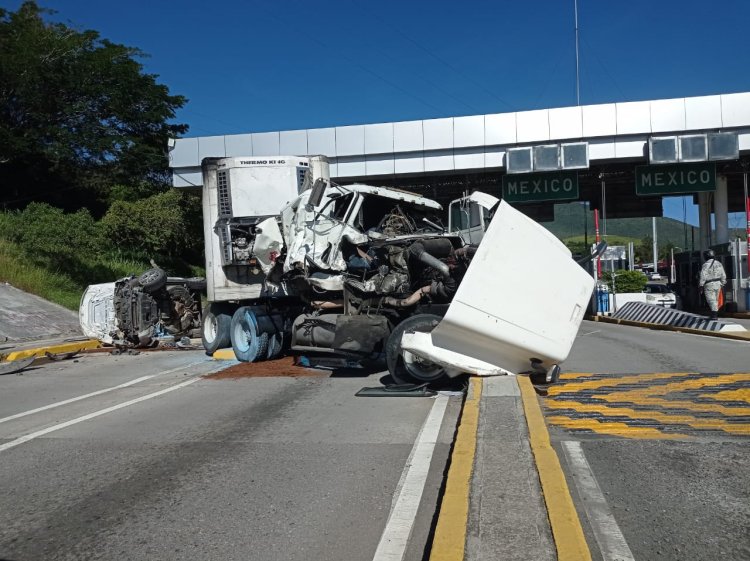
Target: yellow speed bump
[[566, 527]]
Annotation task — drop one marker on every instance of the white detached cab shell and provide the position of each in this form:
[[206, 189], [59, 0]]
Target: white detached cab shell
[[523, 298]]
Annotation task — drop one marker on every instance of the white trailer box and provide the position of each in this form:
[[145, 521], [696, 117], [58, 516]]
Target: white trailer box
[[245, 194]]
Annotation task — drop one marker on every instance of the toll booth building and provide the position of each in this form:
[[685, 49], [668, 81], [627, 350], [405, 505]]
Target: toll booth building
[[621, 158]]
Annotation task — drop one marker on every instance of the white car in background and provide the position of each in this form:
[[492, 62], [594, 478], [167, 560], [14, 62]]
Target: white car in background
[[661, 295]]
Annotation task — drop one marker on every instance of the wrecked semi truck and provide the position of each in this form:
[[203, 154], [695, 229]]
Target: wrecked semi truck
[[358, 271]]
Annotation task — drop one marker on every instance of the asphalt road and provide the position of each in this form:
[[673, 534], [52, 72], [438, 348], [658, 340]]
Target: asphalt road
[[681, 492], [177, 466], [254, 468]]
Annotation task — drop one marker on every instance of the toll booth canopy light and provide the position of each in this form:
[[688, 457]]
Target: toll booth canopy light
[[694, 148], [548, 157], [575, 155], [519, 160]]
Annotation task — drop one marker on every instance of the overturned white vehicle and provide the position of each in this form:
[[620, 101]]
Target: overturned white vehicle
[[359, 270], [138, 311]]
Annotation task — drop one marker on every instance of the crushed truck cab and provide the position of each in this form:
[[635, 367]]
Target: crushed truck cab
[[296, 263]]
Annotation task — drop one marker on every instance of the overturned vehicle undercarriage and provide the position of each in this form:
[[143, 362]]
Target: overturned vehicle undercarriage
[[140, 311]]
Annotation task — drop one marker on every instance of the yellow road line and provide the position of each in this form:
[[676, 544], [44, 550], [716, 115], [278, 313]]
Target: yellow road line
[[610, 382], [613, 428], [566, 527], [450, 532], [576, 375], [52, 349], [697, 423]]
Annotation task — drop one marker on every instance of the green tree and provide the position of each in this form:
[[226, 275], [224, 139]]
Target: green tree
[[626, 281], [77, 113], [166, 224]]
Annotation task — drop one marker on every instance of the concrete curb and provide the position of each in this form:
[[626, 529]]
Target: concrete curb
[[41, 352], [659, 327]]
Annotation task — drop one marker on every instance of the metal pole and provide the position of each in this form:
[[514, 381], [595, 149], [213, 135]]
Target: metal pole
[[747, 219], [578, 87], [585, 224], [656, 246], [598, 239], [604, 209]]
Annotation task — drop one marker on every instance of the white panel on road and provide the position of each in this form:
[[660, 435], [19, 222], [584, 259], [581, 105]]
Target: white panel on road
[[293, 143], [500, 128], [703, 112], [438, 134], [350, 141], [238, 145], [321, 141], [266, 144], [668, 115], [735, 110], [468, 131], [210, 147], [409, 163], [184, 153], [600, 120], [633, 117], [408, 136], [380, 165], [565, 123], [468, 158], [532, 126], [379, 138], [438, 160]]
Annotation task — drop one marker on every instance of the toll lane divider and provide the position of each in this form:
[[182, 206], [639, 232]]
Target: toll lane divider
[[734, 335], [563, 518], [450, 532]]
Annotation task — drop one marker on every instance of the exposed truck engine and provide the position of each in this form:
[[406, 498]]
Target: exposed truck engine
[[297, 263]]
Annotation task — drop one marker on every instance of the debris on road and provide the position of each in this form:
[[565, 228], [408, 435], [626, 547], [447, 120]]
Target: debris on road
[[15, 366]]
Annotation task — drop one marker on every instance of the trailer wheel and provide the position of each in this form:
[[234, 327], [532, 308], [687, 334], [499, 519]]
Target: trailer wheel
[[215, 325], [248, 343], [405, 367]]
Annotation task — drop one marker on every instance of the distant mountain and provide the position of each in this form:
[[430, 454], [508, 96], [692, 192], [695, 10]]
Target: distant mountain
[[569, 223]]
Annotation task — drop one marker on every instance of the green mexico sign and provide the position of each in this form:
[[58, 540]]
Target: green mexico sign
[[538, 187], [675, 179]]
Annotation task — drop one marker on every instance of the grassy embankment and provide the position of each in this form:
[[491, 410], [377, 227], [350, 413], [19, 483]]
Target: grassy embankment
[[54, 285]]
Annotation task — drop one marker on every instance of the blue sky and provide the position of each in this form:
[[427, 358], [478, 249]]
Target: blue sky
[[259, 66]]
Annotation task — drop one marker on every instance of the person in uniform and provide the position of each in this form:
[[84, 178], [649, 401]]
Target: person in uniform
[[712, 279]]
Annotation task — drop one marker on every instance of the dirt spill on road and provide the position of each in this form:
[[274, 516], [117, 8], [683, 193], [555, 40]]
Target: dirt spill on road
[[283, 367]]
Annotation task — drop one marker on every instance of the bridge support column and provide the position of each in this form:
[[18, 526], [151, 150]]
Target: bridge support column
[[721, 210], [704, 220]]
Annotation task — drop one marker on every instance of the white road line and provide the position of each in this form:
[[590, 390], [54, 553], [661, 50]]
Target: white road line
[[606, 531], [92, 394], [398, 529], [66, 424]]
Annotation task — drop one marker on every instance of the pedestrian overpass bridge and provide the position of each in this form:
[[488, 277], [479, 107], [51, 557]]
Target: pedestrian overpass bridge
[[444, 157]]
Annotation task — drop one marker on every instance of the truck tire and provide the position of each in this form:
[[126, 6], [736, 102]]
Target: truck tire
[[406, 368], [153, 279], [215, 326], [248, 343]]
